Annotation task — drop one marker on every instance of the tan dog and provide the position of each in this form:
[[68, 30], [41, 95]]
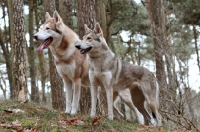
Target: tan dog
[[116, 75], [72, 66]]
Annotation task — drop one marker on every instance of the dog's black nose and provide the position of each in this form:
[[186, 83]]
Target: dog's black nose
[[35, 36], [78, 46]]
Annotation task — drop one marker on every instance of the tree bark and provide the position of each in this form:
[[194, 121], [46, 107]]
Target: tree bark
[[9, 55], [32, 56], [19, 73], [65, 8], [156, 16], [196, 45], [86, 15], [103, 17], [57, 91], [43, 68], [109, 23], [190, 103]]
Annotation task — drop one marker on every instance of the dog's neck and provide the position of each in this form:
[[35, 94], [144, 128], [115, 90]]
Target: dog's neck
[[66, 47], [101, 51]]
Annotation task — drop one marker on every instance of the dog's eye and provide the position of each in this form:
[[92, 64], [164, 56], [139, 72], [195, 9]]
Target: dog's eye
[[88, 38], [47, 28]]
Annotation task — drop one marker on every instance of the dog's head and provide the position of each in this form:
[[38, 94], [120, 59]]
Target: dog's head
[[92, 39], [51, 31]]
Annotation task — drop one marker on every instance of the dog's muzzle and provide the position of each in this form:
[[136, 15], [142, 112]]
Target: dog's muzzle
[[82, 51], [35, 37], [78, 46]]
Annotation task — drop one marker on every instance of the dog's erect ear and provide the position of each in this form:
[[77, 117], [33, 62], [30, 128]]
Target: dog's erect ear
[[97, 28], [87, 29], [56, 17], [47, 16]]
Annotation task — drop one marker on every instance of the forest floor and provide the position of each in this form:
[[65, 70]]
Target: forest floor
[[32, 117]]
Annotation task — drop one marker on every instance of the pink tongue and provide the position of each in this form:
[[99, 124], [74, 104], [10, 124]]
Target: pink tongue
[[44, 45], [81, 51], [40, 48]]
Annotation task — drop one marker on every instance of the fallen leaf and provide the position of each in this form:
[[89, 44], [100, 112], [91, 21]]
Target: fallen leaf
[[4, 124], [5, 115], [96, 120], [24, 101], [38, 128], [29, 130], [72, 121], [16, 124], [32, 129], [30, 108]]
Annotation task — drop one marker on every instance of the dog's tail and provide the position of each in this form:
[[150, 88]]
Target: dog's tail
[[155, 87]]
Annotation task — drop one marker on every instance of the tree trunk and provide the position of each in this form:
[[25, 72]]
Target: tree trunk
[[19, 73], [109, 23], [86, 15], [156, 15], [170, 65], [32, 56], [103, 17], [57, 91], [42, 62], [2, 80], [190, 103], [4, 47], [9, 55], [65, 8], [196, 45]]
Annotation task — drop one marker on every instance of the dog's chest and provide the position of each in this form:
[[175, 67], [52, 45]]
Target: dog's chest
[[67, 69]]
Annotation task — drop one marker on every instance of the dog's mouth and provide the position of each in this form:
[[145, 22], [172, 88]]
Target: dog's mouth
[[45, 44], [84, 51]]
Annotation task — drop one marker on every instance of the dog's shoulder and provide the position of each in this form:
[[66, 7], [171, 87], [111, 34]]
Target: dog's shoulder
[[129, 69]]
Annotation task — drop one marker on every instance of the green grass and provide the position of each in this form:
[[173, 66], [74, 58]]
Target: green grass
[[42, 119]]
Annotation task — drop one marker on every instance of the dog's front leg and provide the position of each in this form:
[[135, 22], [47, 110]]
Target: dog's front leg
[[107, 81], [68, 88], [109, 95], [94, 100], [76, 96], [93, 90]]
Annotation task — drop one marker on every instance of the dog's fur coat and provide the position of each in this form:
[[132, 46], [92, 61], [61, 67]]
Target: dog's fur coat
[[116, 75], [72, 66]]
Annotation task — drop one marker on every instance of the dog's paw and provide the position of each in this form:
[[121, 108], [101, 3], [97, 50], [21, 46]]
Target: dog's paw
[[110, 117], [92, 115], [67, 111], [73, 112]]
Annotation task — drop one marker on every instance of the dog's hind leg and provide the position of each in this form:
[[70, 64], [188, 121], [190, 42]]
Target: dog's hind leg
[[155, 113], [154, 108], [116, 112], [68, 88], [76, 95], [139, 102], [143, 111], [152, 101], [126, 98]]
